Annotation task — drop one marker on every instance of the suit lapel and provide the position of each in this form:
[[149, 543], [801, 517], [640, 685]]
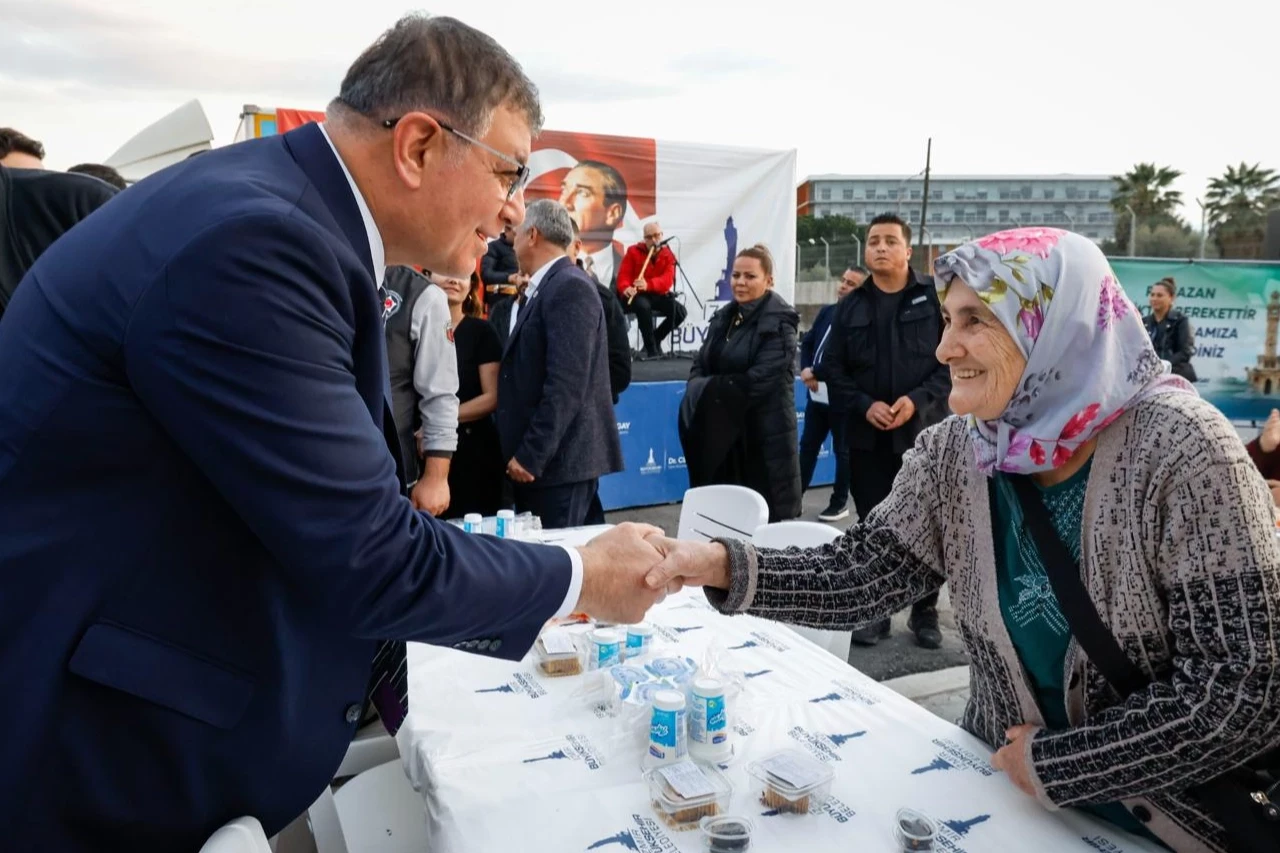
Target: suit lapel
[[314, 156], [528, 306]]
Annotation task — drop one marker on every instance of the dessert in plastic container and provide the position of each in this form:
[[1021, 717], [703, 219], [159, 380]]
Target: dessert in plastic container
[[726, 834], [686, 792], [557, 655], [791, 782], [914, 830]]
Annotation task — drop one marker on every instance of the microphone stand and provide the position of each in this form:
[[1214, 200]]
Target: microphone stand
[[671, 350]]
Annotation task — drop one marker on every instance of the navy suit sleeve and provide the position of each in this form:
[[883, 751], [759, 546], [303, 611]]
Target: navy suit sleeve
[[573, 317], [243, 351]]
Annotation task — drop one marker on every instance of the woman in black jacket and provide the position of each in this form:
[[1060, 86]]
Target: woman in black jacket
[[1170, 330], [738, 417]]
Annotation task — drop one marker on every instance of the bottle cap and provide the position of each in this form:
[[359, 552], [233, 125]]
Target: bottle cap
[[669, 700]]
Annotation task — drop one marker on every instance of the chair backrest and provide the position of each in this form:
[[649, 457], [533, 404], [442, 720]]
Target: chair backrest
[[242, 835], [729, 511], [805, 534]]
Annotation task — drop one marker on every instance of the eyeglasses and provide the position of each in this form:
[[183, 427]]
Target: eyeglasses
[[519, 178]]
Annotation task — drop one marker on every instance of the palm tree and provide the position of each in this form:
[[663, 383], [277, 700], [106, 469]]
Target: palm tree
[[1145, 188], [1237, 208]]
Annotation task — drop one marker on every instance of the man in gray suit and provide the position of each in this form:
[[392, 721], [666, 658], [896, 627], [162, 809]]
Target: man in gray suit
[[555, 408]]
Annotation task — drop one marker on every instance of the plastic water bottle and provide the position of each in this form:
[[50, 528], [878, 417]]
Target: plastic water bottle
[[472, 522], [708, 720], [667, 737], [506, 524]]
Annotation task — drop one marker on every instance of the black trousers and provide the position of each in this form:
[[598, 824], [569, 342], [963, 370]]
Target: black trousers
[[566, 505], [818, 421], [644, 306], [876, 470]]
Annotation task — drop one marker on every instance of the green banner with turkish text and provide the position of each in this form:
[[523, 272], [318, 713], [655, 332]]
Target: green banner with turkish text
[[1234, 309]]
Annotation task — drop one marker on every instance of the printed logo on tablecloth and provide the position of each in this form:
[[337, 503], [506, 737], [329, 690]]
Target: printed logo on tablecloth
[[672, 633], [1106, 845], [761, 639], [846, 691], [823, 747], [653, 466], [955, 757], [743, 729], [579, 748], [519, 683], [756, 674], [832, 808], [645, 836], [951, 832]]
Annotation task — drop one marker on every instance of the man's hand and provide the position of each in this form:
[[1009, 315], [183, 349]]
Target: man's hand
[[514, 278], [1269, 439], [1012, 759], [880, 415], [630, 292], [614, 566], [903, 410], [431, 495], [517, 472], [641, 284], [688, 564], [810, 381]]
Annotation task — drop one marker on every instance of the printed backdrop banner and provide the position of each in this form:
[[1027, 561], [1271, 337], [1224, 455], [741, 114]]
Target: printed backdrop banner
[[714, 200], [647, 415], [1234, 309]]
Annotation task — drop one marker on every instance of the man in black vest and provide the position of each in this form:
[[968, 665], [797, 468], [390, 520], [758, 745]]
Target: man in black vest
[[882, 372], [423, 366]]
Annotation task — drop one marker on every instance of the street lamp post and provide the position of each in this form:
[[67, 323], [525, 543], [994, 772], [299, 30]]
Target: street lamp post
[[1133, 231], [827, 250], [903, 183], [857, 258], [1204, 230]]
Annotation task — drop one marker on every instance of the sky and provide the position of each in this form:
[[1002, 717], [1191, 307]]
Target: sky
[[1001, 87]]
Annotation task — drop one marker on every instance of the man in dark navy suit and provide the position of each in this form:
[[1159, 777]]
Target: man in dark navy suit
[[209, 561], [555, 407]]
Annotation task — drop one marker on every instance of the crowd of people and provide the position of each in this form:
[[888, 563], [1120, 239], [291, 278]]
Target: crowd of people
[[234, 412]]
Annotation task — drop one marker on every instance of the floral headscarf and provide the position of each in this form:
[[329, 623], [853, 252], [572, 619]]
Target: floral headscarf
[[1088, 355]]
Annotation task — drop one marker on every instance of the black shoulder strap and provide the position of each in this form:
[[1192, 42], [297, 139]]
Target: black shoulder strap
[[1064, 577]]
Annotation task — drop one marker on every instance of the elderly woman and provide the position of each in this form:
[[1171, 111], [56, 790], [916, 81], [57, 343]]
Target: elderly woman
[[1149, 490]]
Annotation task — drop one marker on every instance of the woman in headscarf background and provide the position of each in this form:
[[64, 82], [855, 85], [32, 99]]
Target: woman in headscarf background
[[1170, 330], [1146, 485], [738, 416]]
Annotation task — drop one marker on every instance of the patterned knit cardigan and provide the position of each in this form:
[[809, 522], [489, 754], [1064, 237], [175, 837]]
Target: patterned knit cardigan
[[1179, 556]]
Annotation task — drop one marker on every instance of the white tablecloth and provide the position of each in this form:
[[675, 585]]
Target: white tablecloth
[[507, 759]]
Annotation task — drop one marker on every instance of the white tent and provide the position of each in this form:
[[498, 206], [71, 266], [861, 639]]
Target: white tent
[[170, 140]]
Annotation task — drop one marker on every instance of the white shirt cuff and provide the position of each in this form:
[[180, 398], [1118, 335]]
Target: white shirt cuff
[[575, 583]]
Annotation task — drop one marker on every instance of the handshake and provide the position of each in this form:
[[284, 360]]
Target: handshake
[[631, 567]]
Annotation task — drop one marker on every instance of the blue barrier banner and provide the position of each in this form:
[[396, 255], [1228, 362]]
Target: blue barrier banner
[[648, 430]]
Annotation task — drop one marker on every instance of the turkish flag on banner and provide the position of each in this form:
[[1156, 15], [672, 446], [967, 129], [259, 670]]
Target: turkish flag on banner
[[287, 119]]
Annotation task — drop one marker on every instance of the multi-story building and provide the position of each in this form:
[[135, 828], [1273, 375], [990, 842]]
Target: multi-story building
[[962, 207]]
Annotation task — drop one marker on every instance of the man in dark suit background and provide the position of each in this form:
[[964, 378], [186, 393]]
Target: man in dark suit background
[[555, 408], [499, 269], [207, 577]]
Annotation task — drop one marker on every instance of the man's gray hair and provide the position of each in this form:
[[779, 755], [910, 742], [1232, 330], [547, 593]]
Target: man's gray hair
[[551, 218], [438, 65]]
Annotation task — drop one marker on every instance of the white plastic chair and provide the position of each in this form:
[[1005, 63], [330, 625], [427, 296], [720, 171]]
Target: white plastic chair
[[377, 811], [371, 747], [242, 835], [806, 534], [729, 511]]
